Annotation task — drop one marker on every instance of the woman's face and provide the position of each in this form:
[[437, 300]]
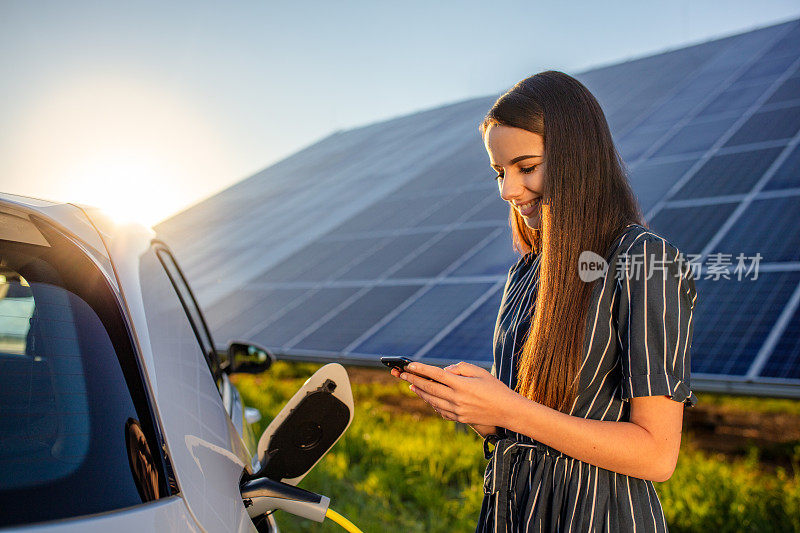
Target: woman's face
[[518, 157]]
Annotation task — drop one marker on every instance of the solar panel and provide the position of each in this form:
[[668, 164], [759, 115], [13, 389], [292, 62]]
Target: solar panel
[[788, 174], [772, 124], [730, 173], [472, 338], [319, 260], [310, 308], [785, 359], [348, 323], [697, 136], [383, 259], [652, 179], [670, 112], [241, 313], [444, 253], [391, 213], [736, 98], [492, 259], [635, 143], [466, 165], [788, 91], [733, 317], [494, 211], [770, 68], [788, 44], [406, 250], [457, 202], [767, 227], [690, 228], [418, 323]]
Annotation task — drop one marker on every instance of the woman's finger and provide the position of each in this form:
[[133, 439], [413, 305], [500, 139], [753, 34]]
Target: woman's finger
[[435, 401], [432, 372], [429, 386], [447, 415], [444, 413]]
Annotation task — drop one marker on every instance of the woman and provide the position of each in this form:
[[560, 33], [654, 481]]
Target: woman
[[584, 402]]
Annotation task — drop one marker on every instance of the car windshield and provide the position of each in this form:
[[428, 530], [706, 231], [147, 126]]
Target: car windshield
[[76, 435]]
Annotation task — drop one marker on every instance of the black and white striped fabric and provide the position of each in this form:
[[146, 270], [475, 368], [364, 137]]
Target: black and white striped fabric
[[638, 340]]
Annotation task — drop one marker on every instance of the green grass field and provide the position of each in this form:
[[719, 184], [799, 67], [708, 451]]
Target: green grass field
[[400, 469]]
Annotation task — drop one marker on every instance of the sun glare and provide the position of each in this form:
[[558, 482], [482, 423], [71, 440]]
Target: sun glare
[[129, 187], [137, 150]]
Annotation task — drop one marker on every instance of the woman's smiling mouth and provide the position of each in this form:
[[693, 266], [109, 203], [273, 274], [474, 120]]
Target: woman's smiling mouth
[[531, 207]]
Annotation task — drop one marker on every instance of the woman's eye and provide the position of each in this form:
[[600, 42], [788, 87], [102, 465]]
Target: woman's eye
[[528, 170], [499, 177]]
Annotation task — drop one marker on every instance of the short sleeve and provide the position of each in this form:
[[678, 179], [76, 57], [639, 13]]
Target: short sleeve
[[655, 312]]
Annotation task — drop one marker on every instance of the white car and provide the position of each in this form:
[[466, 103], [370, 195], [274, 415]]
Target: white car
[[116, 411]]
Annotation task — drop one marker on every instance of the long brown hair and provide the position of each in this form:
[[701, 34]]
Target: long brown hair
[[587, 202]]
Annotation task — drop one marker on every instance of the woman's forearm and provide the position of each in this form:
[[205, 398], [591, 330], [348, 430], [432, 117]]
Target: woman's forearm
[[622, 447]]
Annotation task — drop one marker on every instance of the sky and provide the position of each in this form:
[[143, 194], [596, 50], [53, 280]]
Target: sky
[[144, 108]]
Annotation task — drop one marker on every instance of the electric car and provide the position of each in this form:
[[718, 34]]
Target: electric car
[[116, 408]]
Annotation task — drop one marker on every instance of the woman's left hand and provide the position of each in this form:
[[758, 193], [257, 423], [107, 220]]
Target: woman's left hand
[[465, 393]]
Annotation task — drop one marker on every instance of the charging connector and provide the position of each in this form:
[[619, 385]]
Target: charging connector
[[263, 494]]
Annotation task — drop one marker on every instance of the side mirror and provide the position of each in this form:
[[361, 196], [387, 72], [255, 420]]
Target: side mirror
[[245, 357]]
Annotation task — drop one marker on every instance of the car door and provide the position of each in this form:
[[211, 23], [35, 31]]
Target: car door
[[231, 398], [207, 449]]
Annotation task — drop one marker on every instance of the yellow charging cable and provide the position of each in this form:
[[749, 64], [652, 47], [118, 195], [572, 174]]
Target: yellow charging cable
[[342, 521]]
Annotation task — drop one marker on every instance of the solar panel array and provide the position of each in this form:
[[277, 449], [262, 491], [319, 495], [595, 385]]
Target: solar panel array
[[392, 238]]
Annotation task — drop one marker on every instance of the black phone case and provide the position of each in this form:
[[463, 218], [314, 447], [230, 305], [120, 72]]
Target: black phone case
[[395, 362]]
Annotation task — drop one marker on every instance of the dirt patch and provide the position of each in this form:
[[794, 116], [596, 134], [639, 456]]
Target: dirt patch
[[360, 374], [733, 432]]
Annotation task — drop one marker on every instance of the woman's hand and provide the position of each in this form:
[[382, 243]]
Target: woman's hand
[[464, 393]]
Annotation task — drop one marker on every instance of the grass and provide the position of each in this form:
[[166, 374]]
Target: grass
[[395, 470]]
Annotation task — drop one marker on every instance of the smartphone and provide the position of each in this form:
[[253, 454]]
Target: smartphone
[[395, 362], [399, 363]]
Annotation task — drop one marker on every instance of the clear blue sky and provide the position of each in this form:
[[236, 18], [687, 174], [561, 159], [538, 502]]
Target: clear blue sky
[[107, 100]]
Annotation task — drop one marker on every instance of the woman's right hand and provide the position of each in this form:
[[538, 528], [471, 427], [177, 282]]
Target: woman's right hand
[[480, 429]]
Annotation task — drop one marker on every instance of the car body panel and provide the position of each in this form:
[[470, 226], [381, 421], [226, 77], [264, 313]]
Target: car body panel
[[167, 514]]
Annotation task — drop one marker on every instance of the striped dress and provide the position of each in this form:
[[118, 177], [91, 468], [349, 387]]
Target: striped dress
[[638, 339]]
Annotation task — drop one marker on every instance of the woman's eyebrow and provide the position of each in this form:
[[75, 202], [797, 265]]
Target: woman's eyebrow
[[518, 158]]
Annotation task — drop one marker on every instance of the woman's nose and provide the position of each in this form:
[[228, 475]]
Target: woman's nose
[[510, 188]]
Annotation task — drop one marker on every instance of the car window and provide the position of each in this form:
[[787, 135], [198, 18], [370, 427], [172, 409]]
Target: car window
[[76, 431], [193, 312]]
